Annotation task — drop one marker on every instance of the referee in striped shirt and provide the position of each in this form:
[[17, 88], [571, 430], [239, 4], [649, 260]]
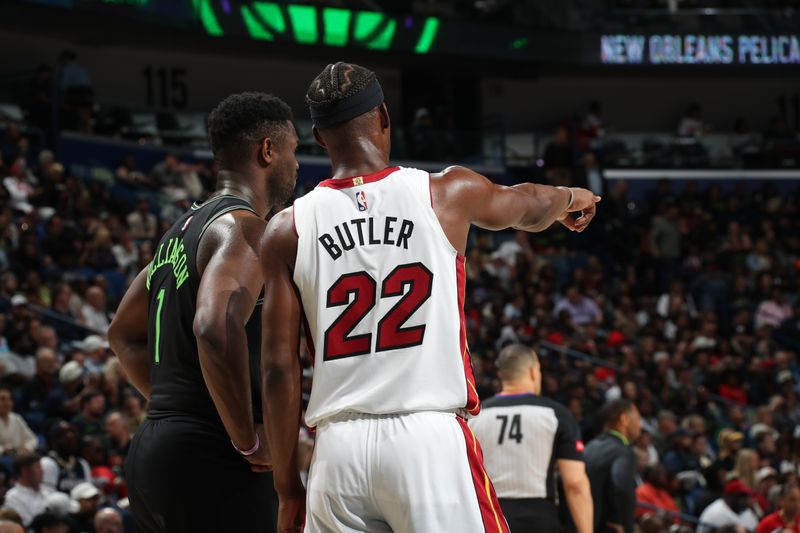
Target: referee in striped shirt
[[524, 437]]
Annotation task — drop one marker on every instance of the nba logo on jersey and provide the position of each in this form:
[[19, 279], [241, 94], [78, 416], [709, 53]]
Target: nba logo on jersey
[[361, 200]]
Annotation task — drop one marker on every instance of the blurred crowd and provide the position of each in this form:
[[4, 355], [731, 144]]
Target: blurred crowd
[[683, 299], [684, 302]]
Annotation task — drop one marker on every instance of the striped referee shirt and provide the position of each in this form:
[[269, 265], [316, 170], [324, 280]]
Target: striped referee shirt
[[522, 436]]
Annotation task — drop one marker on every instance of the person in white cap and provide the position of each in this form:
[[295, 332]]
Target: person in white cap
[[88, 498], [61, 504], [766, 478], [96, 349]]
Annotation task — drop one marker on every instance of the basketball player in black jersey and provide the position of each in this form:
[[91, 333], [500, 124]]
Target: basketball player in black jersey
[[188, 337]]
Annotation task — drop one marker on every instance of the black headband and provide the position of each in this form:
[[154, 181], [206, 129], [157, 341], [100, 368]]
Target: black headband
[[330, 114]]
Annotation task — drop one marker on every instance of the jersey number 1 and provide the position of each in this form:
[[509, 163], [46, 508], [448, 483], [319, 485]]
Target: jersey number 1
[[160, 298], [390, 335]]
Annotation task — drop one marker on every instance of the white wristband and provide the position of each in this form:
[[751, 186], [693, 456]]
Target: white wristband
[[571, 196]]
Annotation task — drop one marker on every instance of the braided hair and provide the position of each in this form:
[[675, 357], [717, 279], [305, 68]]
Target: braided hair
[[336, 82]]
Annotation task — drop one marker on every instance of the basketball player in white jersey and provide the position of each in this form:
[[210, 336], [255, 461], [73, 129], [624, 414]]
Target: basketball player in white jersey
[[373, 259]]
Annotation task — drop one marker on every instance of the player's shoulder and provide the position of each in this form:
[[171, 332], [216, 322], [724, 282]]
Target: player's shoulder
[[239, 225], [454, 172]]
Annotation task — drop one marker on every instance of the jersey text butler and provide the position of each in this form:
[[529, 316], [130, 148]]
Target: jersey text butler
[[367, 231]]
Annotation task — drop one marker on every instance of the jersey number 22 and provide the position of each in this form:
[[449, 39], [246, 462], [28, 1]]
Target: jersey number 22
[[391, 334]]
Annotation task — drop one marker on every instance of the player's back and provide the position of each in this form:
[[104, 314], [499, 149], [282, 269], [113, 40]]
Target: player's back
[[382, 291], [173, 281]]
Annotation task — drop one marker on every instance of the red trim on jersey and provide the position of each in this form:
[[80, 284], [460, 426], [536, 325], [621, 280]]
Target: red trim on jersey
[[492, 515], [352, 181], [309, 338], [473, 405]]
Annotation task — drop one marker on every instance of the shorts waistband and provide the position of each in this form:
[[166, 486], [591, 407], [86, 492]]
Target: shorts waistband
[[344, 416]]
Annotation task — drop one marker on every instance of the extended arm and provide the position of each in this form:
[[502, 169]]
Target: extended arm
[[229, 287], [128, 334], [280, 365], [526, 206], [579, 495]]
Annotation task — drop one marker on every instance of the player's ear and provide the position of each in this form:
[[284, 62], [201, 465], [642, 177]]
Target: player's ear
[[267, 150], [383, 112], [318, 137]]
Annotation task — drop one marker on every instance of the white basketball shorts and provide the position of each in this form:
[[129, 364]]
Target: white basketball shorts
[[418, 472]]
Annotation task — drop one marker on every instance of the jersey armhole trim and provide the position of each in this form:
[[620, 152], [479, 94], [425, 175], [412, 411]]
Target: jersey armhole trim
[[219, 214], [438, 224], [216, 216]]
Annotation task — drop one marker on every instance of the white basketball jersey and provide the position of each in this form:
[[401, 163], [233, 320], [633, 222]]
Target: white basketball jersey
[[383, 292]]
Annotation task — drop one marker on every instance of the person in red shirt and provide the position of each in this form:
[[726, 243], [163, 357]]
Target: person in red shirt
[[654, 491], [786, 519]]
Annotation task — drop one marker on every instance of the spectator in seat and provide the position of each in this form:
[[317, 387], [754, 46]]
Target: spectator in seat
[[94, 312], [774, 311], [96, 349], [665, 244], [558, 152], [785, 519], [142, 222], [581, 309], [89, 422], [49, 523], [732, 509], [62, 467], [15, 435], [18, 185], [118, 437], [88, 498], [656, 491], [108, 520], [36, 390], [691, 124], [28, 496]]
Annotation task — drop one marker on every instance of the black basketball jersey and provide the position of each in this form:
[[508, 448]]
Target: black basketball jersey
[[178, 387]]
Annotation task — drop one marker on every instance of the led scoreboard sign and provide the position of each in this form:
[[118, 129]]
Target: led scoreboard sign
[[698, 49]]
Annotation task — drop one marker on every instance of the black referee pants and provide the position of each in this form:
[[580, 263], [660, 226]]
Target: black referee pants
[[531, 515], [185, 477]]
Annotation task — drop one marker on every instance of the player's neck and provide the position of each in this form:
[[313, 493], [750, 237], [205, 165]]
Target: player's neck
[[366, 158], [237, 184], [513, 389]]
